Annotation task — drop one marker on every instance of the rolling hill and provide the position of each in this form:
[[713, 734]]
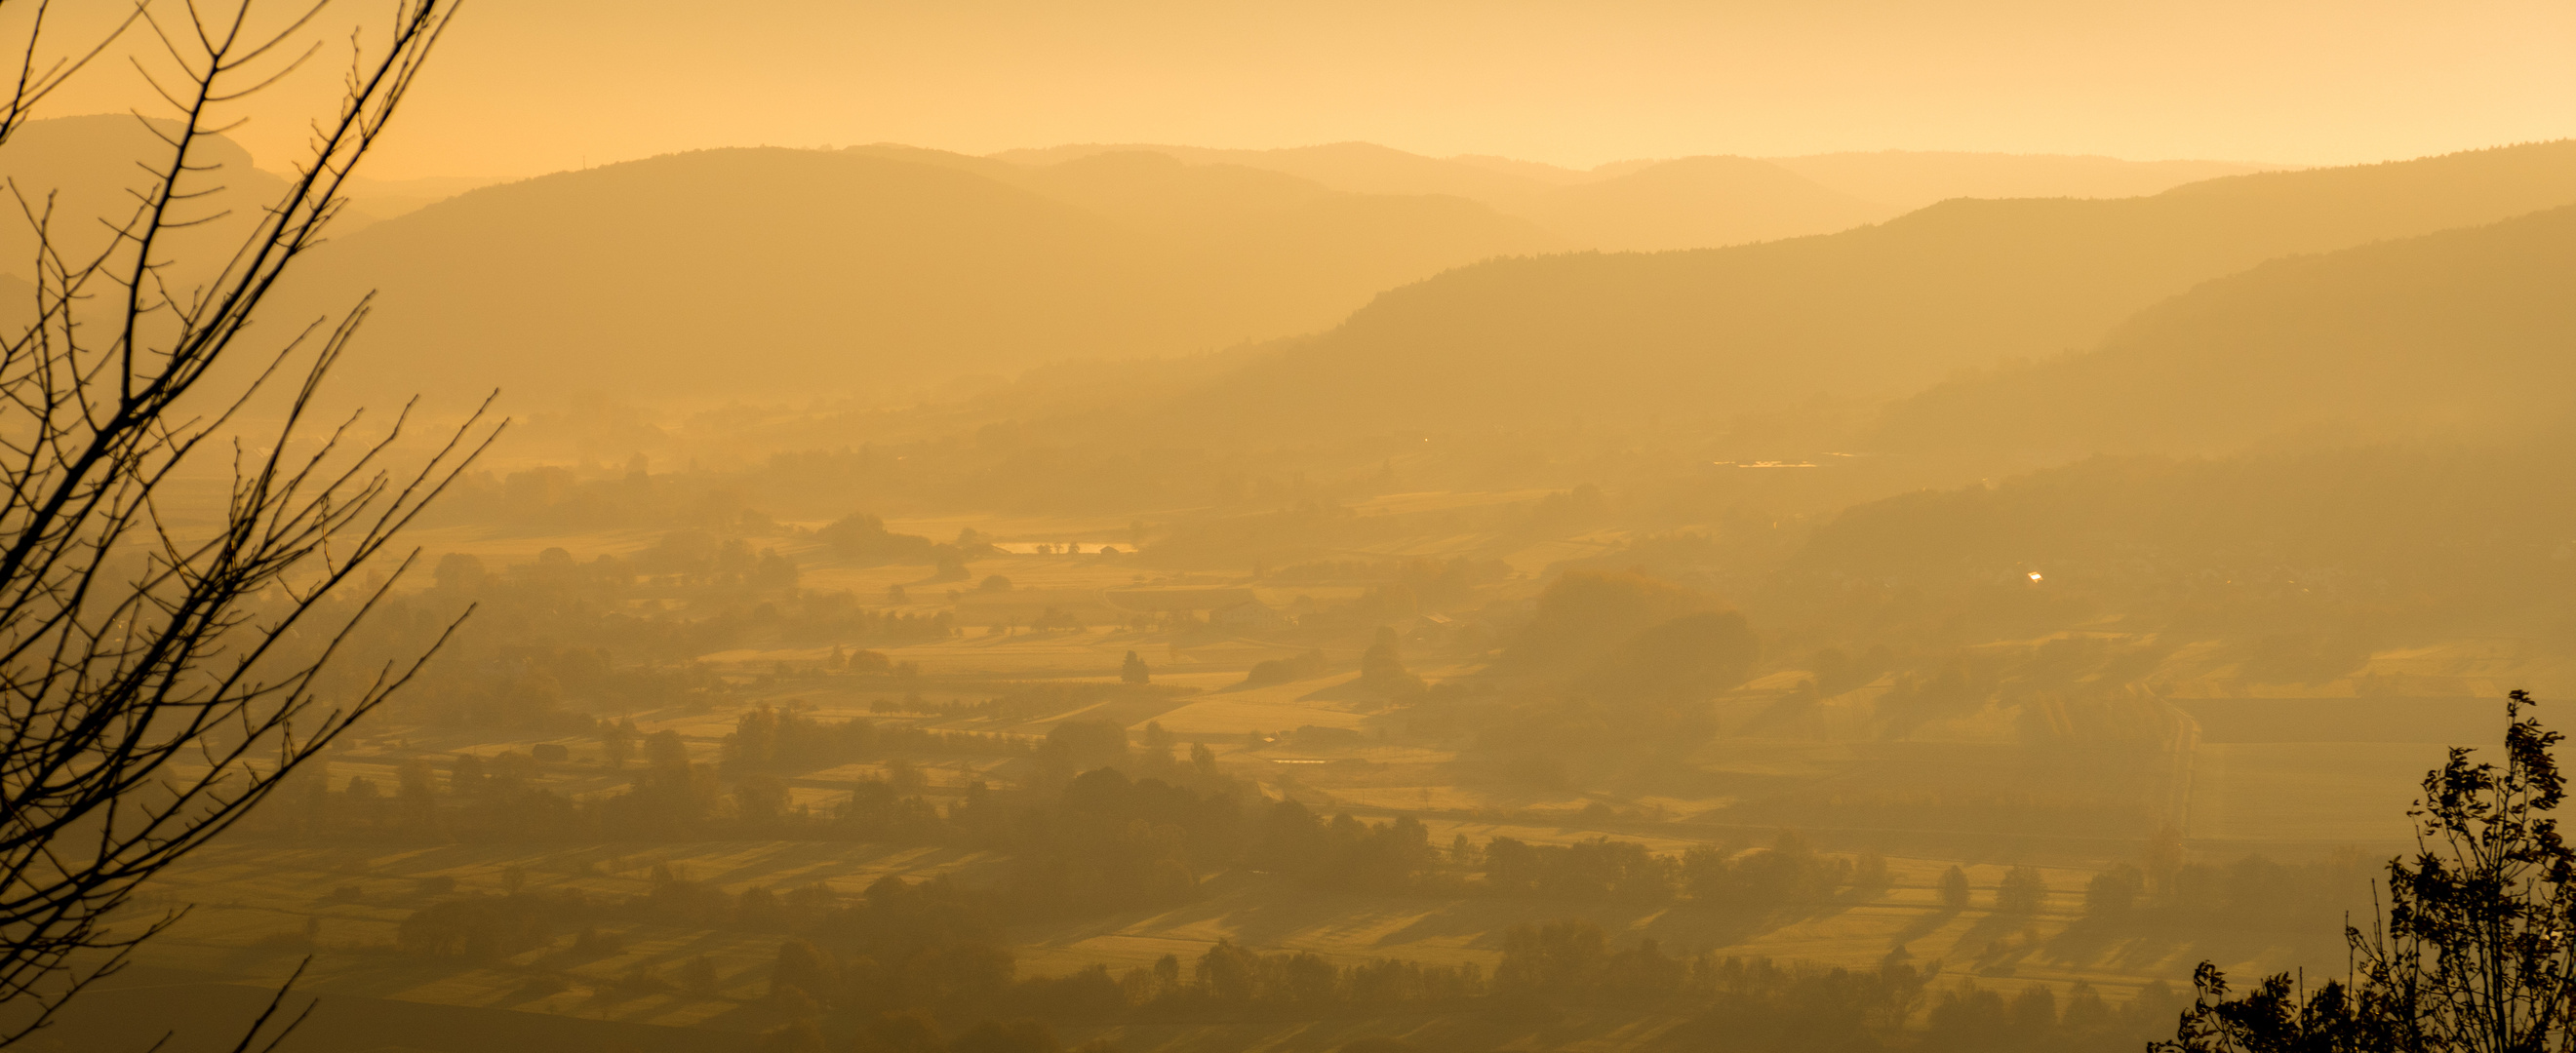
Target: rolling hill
[[1911, 179], [1694, 202], [1359, 168], [1880, 311], [772, 272], [1691, 202], [2463, 331], [2392, 542], [87, 169], [1697, 202]]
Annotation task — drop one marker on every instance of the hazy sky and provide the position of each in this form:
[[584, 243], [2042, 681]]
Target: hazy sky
[[526, 86]]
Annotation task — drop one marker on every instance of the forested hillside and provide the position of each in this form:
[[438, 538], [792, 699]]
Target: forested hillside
[[2462, 332], [77, 177], [853, 272], [1911, 179], [1874, 312]]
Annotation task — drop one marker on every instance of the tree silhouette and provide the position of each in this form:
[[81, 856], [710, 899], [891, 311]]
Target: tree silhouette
[[2476, 950], [158, 679]]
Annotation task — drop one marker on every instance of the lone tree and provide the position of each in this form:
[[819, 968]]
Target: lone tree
[[2476, 951], [1133, 671], [163, 658]]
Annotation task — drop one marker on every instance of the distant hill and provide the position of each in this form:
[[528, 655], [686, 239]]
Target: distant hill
[[1359, 168], [2465, 331], [1706, 202], [2385, 540], [89, 164], [1877, 311], [1692, 202], [1911, 179], [1535, 171], [382, 199], [1145, 185], [774, 272], [1697, 202], [88, 168]]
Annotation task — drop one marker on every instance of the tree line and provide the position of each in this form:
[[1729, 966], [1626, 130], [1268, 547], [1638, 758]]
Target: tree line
[[925, 965]]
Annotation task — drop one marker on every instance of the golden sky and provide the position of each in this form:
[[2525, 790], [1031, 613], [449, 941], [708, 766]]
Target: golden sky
[[528, 86]]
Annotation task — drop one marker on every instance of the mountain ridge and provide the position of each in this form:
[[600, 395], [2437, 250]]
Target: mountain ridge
[[852, 273], [1875, 312], [2457, 331]]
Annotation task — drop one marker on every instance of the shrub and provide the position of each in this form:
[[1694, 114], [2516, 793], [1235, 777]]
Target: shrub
[[1284, 670]]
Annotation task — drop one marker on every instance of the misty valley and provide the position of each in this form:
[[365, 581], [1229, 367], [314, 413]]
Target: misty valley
[[1168, 599]]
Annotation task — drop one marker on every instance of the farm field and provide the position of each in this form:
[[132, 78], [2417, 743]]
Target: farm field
[[2287, 786], [259, 906], [1653, 574]]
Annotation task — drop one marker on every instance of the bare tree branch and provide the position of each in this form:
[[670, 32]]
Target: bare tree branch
[[160, 676]]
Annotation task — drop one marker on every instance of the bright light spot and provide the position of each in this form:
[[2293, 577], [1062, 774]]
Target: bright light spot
[[2034, 575]]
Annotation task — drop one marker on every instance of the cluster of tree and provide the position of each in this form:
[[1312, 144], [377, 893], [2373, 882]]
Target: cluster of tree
[[486, 927], [1138, 830], [1304, 665], [1573, 967], [929, 959], [1971, 1019], [2230, 547], [1615, 669], [701, 557], [1585, 616], [863, 539], [536, 688], [1426, 581], [1136, 827], [1108, 842], [767, 739], [2468, 956], [557, 500], [2470, 951], [2252, 894], [2226, 550], [892, 919], [929, 955], [2073, 689], [669, 797], [2015, 797], [556, 639], [1786, 878], [1230, 981], [1342, 853]]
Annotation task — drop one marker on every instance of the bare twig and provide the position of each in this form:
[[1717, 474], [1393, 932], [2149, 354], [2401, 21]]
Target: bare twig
[[158, 680]]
